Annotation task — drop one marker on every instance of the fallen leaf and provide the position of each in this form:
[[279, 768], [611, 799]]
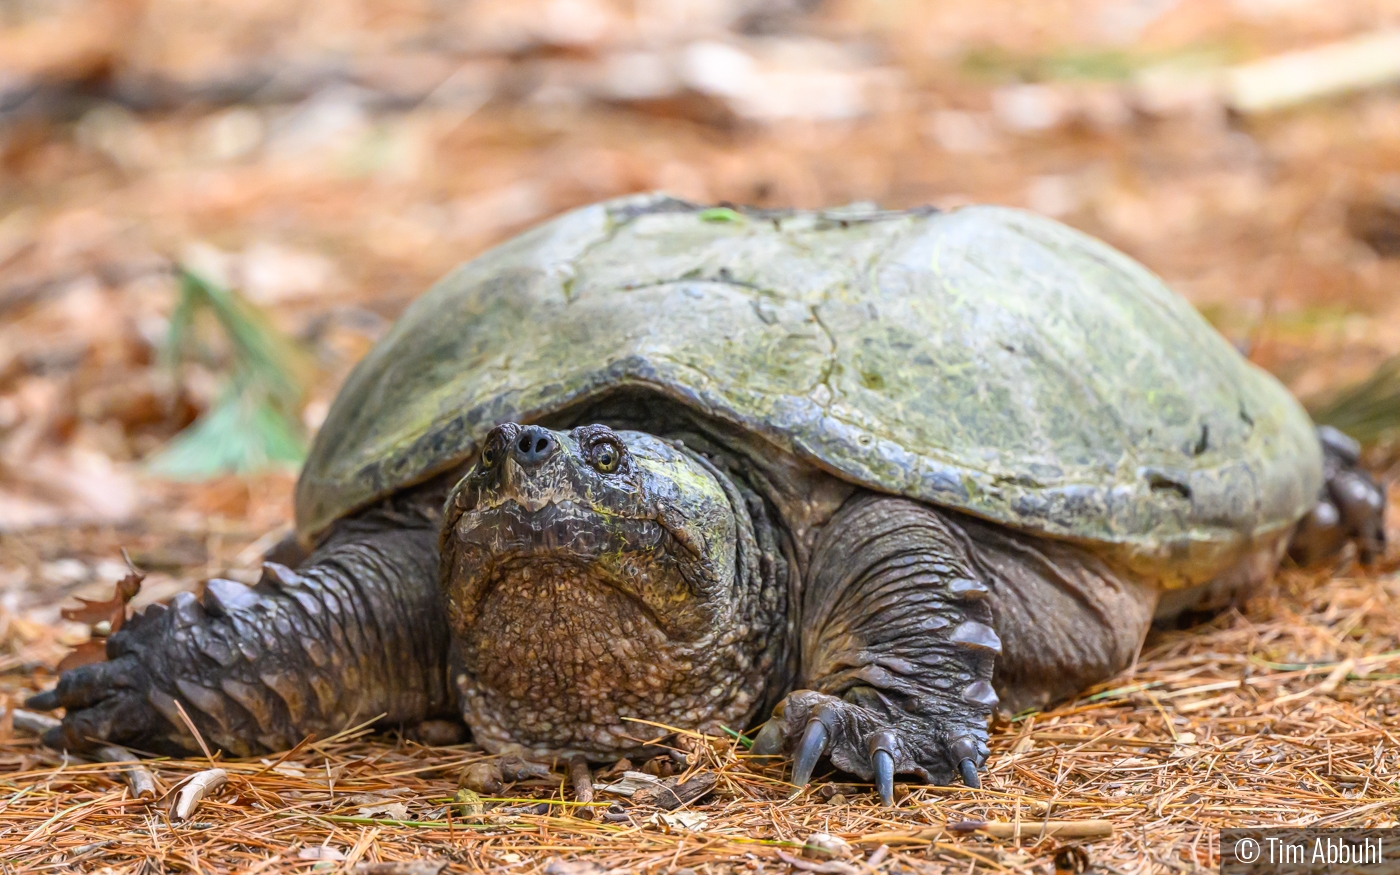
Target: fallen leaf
[[113, 610], [824, 846], [401, 867], [559, 866], [484, 779], [321, 852], [200, 784], [690, 821], [86, 653], [109, 615], [392, 811], [468, 804], [671, 795], [629, 783]]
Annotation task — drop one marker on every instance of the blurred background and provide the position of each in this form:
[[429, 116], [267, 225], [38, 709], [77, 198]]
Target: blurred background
[[210, 209]]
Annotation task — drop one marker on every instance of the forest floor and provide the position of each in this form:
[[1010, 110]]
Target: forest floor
[[329, 160]]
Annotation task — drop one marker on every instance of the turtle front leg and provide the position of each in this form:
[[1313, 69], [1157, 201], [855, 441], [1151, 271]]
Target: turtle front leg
[[356, 632], [897, 652]]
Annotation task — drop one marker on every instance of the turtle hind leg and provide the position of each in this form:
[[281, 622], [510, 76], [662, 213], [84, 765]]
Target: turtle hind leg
[[357, 632], [1068, 618], [897, 651], [1350, 508]]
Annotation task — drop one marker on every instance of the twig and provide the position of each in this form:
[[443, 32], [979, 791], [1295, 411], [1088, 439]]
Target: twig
[[1066, 829], [137, 776], [32, 722], [581, 780], [1367, 61]]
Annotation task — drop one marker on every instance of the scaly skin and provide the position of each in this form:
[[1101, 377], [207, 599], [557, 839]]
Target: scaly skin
[[357, 633], [897, 651]]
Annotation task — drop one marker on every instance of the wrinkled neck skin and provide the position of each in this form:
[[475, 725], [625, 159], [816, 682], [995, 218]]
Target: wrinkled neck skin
[[599, 581]]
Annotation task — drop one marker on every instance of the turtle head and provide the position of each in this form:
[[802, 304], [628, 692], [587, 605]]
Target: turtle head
[[592, 575], [593, 507]]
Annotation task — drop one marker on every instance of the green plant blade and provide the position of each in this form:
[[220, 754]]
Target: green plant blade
[[1369, 410], [242, 434]]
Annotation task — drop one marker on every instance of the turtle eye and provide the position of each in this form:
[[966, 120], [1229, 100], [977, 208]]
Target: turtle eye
[[490, 455], [605, 456]]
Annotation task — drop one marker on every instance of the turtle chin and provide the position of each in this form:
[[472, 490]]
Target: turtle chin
[[589, 578]]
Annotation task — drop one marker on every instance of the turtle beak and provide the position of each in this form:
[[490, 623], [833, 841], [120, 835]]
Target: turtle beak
[[527, 453], [524, 464]]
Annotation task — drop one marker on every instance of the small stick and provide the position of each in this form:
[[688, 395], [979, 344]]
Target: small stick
[[878, 856], [200, 784], [137, 776], [581, 779], [1068, 829], [33, 722]]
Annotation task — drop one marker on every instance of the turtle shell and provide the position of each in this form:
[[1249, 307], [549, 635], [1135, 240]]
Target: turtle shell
[[984, 359]]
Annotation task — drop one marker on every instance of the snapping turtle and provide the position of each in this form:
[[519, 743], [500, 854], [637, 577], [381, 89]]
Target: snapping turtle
[[867, 474]]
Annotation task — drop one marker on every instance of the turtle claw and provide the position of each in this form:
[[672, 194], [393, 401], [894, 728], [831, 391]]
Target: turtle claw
[[104, 701], [884, 777], [809, 750], [882, 745], [870, 742], [45, 701], [967, 755], [968, 770]]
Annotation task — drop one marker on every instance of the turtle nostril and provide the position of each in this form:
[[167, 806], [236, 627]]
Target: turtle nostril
[[534, 445]]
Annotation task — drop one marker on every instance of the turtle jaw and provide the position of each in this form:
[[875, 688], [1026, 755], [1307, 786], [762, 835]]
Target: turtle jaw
[[642, 528], [575, 546]]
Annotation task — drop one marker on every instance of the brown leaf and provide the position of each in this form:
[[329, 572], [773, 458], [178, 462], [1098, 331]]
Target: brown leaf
[[1071, 860], [90, 651], [484, 778], [670, 795], [113, 610]]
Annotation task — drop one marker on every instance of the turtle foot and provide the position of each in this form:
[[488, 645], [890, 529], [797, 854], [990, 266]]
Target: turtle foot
[[357, 633], [1351, 507], [104, 701], [871, 742]]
